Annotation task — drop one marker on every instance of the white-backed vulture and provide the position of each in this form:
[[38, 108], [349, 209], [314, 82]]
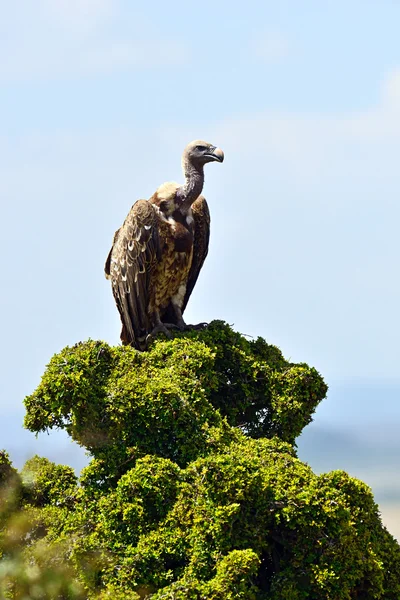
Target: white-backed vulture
[[158, 252]]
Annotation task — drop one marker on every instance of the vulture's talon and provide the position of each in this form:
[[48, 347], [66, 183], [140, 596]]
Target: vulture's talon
[[182, 326], [156, 331], [197, 327], [171, 326]]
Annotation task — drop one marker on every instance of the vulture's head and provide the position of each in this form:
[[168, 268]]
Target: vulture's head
[[200, 152]]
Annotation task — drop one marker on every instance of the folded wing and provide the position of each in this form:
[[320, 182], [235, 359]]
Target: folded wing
[[201, 217], [130, 267]]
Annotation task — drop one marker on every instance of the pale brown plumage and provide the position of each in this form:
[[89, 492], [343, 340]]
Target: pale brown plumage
[[157, 254]]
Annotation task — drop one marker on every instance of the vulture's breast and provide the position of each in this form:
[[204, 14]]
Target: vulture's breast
[[182, 231], [183, 238], [173, 270]]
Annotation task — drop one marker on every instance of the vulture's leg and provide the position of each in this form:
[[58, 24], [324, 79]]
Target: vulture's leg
[[159, 327], [181, 323], [179, 319]]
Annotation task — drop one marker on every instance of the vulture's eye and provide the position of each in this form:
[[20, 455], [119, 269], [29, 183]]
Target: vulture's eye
[[201, 148]]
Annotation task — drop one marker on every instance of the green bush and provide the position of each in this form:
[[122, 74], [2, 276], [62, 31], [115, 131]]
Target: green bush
[[194, 490], [45, 483], [33, 562]]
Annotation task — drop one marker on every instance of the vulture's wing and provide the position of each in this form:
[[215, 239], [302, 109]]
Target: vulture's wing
[[130, 265], [201, 216], [107, 266]]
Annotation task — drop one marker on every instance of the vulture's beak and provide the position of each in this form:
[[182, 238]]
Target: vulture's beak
[[217, 155]]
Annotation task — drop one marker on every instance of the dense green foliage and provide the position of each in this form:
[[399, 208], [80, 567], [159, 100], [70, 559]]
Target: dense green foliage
[[33, 566], [194, 490]]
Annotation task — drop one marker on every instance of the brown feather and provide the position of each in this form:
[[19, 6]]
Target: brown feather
[[201, 237], [201, 234], [133, 256], [107, 266]]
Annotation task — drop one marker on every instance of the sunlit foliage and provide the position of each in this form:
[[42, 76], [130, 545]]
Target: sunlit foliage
[[194, 490]]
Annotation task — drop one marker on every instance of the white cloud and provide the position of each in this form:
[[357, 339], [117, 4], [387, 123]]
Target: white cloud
[[126, 55], [68, 60], [391, 89], [314, 147], [73, 39], [271, 48], [79, 14]]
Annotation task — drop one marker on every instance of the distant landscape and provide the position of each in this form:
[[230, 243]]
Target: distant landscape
[[367, 449]]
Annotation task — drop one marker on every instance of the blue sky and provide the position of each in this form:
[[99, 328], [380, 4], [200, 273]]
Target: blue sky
[[98, 99]]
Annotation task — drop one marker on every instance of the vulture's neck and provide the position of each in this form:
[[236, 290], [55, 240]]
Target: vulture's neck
[[194, 180]]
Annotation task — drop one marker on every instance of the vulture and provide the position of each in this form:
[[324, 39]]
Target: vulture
[[157, 254]]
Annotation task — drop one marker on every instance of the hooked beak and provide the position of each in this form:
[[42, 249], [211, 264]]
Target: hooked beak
[[217, 155]]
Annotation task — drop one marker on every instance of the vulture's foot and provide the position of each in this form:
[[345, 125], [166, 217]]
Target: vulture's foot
[[159, 328], [181, 323], [197, 327], [171, 326], [184, 327]]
